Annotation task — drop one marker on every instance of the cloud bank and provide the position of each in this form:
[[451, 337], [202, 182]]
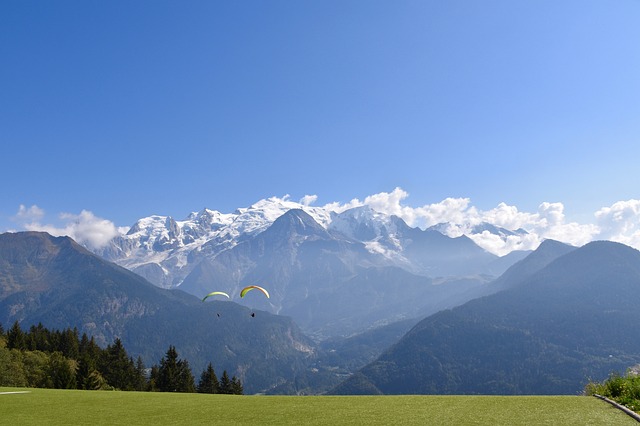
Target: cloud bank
[[455, 216], [85, 228], [619, 222]]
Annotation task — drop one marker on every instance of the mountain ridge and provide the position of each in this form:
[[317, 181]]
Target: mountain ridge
[[549, 333], [56, 282], [319, 276], [165, 250]]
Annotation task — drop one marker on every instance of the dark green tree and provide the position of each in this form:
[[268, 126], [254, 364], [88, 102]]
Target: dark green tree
[[16, 338], [225, 383], [141, 381], [152, 384], [174, 374], [90, 348], [167, 380], [38, 338], [117, 368], [60, 373], [68, 343], [186, 382], [236, 386], [209, 381], [87, 375], [83, 372]]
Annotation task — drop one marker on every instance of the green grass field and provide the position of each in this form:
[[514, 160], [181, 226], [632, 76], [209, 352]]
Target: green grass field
[[71, 407]]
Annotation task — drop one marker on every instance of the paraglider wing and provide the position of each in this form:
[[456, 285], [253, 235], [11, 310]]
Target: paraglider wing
[[213, 293], [251, 287]]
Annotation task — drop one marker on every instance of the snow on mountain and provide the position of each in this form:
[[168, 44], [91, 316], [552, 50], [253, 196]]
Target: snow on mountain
[[362, 224], [496, 230], [493, 238], [470, 230], [377, 231], [165, 250]]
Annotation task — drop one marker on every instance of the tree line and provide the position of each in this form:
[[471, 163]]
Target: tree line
[[62, 359]]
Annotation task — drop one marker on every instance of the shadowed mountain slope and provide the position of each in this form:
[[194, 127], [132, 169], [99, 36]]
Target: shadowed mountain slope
[[572, 320], [57, 282]]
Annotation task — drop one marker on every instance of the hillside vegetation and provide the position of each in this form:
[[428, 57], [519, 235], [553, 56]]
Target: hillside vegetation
[[54, 281], [41, 358], [624, 390]]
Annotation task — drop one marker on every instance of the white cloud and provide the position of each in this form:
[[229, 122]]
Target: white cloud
[[339, 207], [501, 246], [620, 222], [388, 202], [461, 216], [508, 217], [551, 224], [307, 200], [31, 214], [85, 228]]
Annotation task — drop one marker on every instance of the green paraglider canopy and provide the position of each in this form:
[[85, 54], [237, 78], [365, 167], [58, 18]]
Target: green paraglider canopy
[[213, 293], [251, 287]]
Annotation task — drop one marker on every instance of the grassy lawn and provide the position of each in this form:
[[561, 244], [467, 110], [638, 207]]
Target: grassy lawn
[[69, 407]]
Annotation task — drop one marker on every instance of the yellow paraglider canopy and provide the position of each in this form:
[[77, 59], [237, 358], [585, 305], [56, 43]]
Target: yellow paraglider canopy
[[213, 293], [251, 287]]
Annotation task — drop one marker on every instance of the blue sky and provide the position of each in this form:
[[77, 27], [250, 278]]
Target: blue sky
[[132, 108]]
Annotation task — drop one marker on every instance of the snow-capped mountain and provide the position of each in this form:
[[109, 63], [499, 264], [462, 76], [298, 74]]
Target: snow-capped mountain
[[315, 261], [455, 230], [164, 250]]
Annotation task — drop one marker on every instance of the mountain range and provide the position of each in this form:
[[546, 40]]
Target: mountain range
[[334, 274], [558, 318], [56, 282], [555, 319]]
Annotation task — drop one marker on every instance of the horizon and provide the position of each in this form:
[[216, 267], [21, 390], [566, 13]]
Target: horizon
[[458, 216]]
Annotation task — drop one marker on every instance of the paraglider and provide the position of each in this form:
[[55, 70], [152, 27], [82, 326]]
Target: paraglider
[[216, 293], [251, 287], [213, 293], [245, 290]]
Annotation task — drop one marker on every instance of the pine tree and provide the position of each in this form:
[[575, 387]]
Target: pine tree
[[68, 343], [16, 338], [236, 386], [39, 338], [225, 383], [174, 375], [117, 368], [90, 348], [186, 382], [209, 381], [83, 372], [152, 385], [168, 371], [141, 381], [87, 375]]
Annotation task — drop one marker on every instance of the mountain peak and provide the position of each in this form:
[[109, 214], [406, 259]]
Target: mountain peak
[[572, 319], [297, 222], [363, 224], [548, 251]]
